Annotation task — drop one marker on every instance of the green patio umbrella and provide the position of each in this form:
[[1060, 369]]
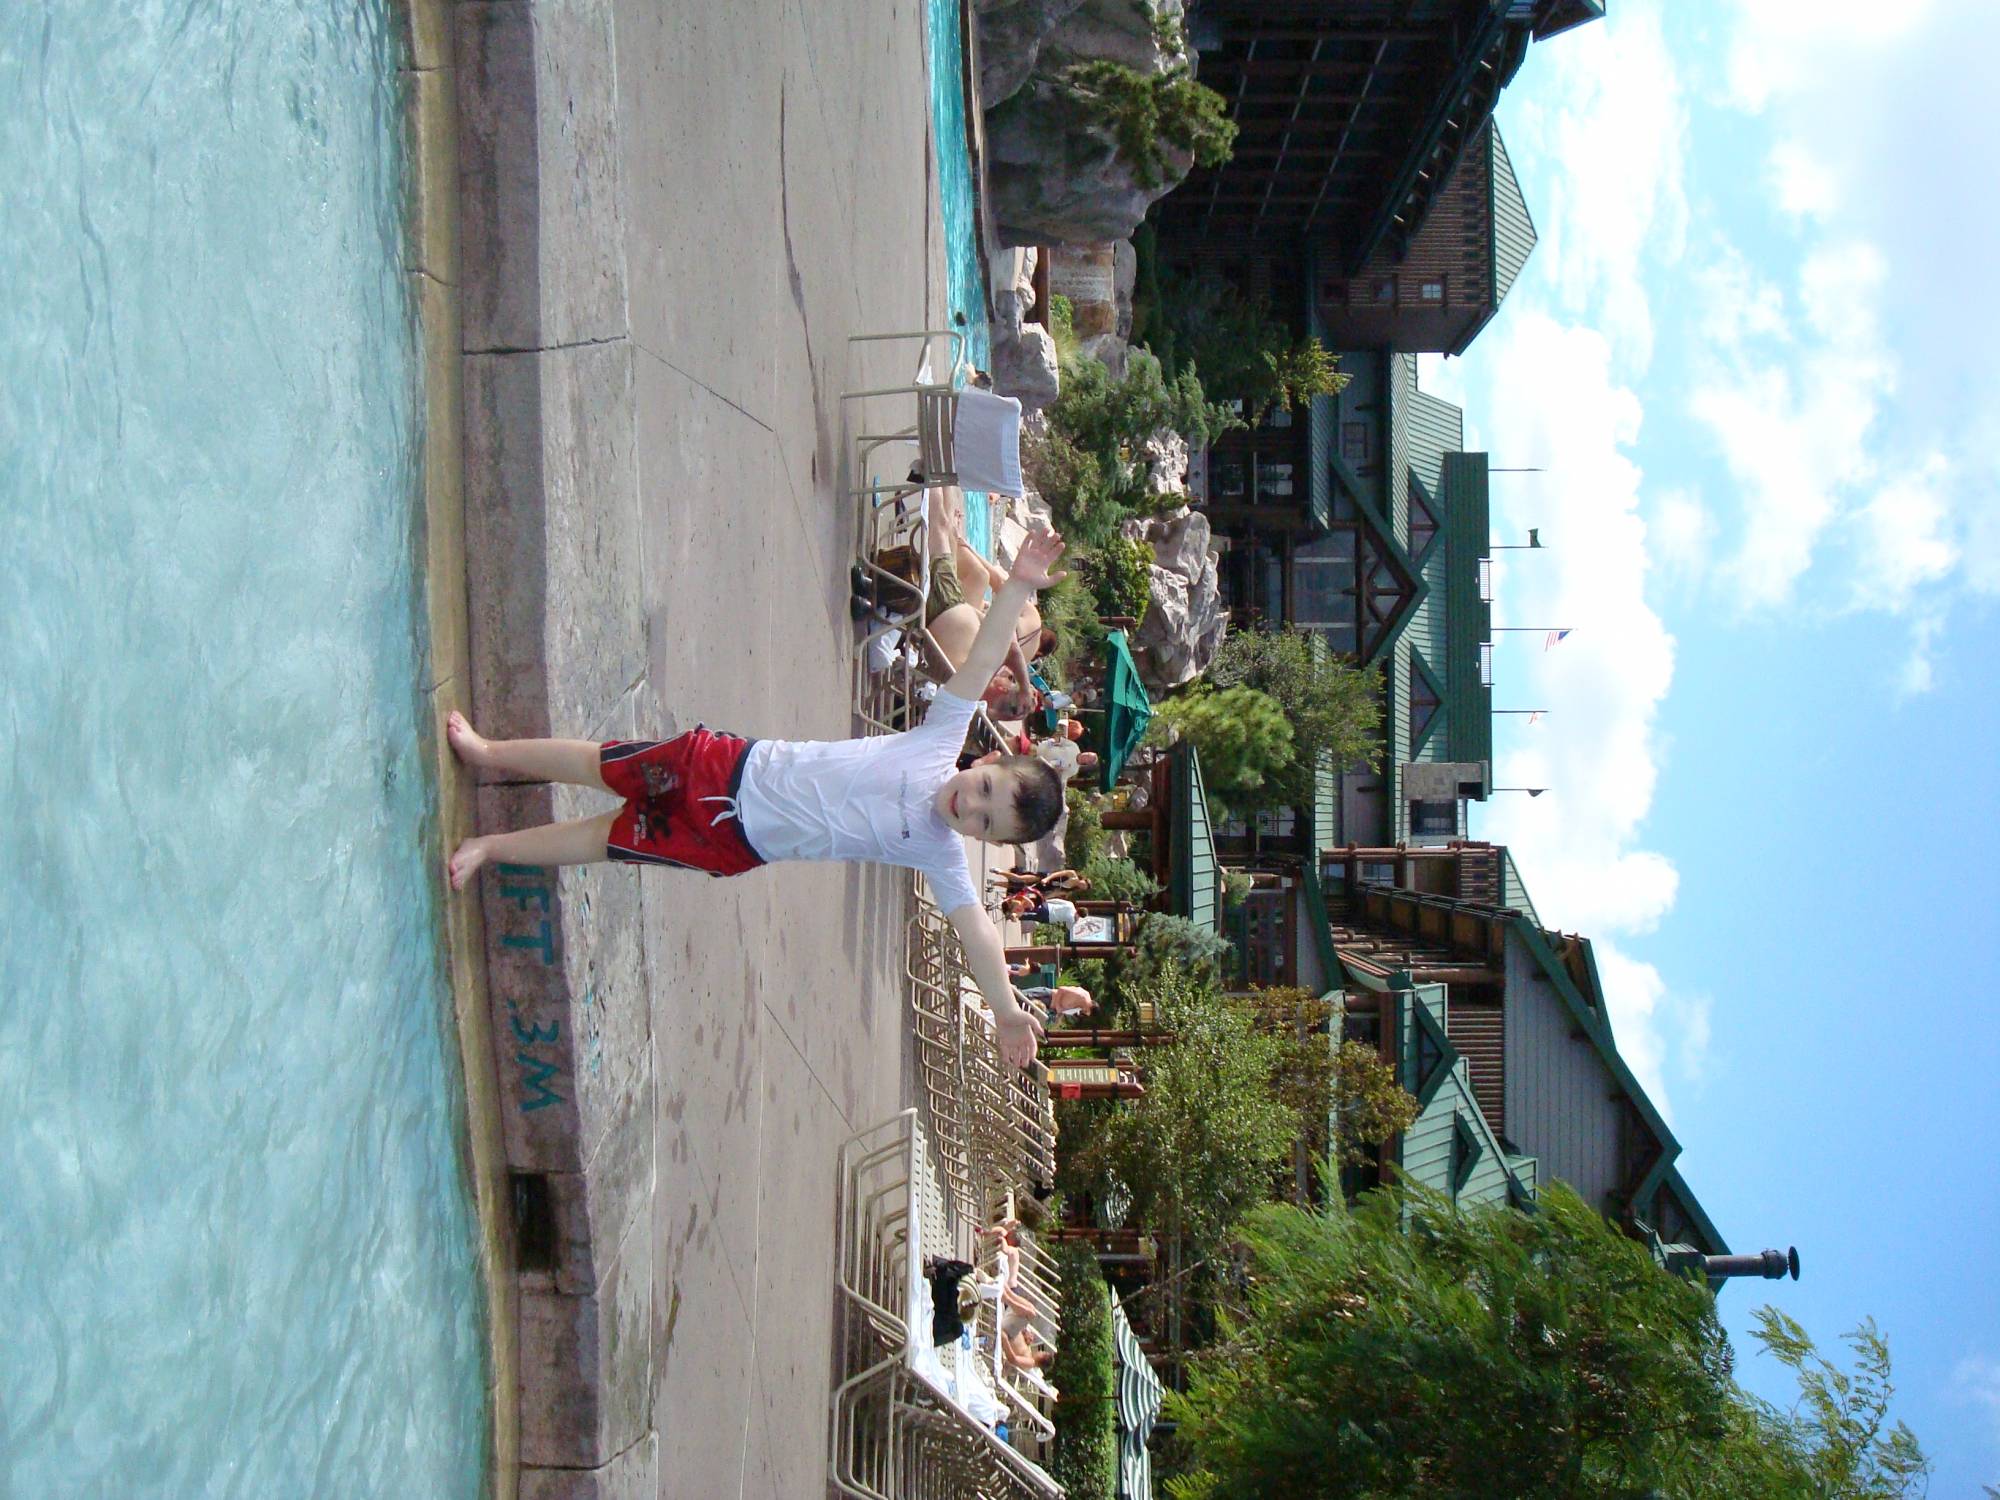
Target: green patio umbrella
[[1127, 710]]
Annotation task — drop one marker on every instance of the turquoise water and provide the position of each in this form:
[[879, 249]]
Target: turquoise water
[[965, 271], [236, 1247]]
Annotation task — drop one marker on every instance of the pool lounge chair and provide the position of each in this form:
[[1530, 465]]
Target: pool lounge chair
[[900, 1429]]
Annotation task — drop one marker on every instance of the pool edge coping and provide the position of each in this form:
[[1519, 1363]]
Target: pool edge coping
[[432, 265]]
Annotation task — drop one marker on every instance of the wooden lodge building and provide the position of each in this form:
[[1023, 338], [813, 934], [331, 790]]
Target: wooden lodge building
[[1366, 177], [1496, 1025]]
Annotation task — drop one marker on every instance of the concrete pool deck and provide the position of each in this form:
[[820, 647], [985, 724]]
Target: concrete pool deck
[[644, 233]]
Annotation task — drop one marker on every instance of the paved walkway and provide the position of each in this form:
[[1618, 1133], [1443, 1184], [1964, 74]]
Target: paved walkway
[[673, 215]]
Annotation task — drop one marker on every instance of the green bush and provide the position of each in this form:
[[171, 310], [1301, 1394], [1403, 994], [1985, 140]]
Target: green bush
[[1236, 888], [1085, 505], [1246, 352], [1117, 880], [1106, 418], [1492, 1352], [1084, 839], [1243, 738], [1166, 941], [1120, 574], [1145, 110], [1333, 706], [1069, 609], [1085, 1457]]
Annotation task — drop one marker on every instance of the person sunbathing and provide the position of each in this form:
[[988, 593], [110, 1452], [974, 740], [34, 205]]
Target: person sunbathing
[[1018, 1350], [960, 580]]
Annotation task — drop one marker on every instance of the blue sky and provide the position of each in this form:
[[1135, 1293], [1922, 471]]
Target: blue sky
[[1754, 351]]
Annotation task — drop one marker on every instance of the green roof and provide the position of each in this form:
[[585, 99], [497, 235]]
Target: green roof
[[1513, 890], [1193, 885], [1513, 225], [1468, 624], [1450, 1147]]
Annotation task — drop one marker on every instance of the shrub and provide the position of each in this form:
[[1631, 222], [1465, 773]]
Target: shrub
[[1167, 942], [1085, 504], [1069, 609], [1245, 351], [1236, 888], [1085, 1457], [1333, 706], [1117, 880], [1143, 110], [1199, 1148], [1120, 574], [1243, 738], [1085, 836], [1105, 418]]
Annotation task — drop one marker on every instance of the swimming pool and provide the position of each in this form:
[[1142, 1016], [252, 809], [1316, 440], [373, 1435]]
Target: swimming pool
[[965, 272], [238, 1251]]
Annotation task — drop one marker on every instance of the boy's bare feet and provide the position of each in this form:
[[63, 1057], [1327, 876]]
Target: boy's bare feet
[[465, 863], [467, 743]]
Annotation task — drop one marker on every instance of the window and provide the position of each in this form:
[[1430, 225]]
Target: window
[[1431, 290], [1476, 790], [1426, 1056], [1430, 819], [1382, 291], [1277, 823], [1423, 705], [1423, 519], [1354, 443], [1378, 872], [1464, 1154]]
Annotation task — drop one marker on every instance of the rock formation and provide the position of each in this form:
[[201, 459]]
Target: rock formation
[[1185, 623], [1053, 171], [1023, 359]]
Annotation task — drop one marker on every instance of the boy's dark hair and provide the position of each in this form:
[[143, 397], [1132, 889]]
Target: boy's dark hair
[[1038, 796]]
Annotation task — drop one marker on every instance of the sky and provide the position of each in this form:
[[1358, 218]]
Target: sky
[[1753, 355]]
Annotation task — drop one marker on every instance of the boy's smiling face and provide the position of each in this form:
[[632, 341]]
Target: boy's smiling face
[[979, 802]]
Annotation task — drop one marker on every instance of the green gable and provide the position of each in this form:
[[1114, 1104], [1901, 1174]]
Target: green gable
[[1449, 1147], [1193, 884], [1468, 622], [1513, 226]]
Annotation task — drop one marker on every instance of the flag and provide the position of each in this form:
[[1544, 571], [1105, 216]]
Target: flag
[[1554, 636]]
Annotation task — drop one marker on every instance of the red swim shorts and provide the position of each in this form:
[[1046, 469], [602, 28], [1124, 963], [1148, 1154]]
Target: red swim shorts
[[680, 801]]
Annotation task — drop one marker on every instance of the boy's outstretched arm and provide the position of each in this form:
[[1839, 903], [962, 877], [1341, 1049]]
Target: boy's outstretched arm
[[1016, 1030], [1031, 573]]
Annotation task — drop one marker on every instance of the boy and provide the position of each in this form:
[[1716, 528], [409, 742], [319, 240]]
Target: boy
[[713, 802]]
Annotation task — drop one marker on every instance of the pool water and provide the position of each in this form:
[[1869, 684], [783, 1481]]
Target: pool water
[[965, 272], [236, 1243]]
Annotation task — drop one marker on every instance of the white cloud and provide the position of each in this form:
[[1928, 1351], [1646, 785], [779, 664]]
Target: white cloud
[[1608, 185], [1919, 670], [1555, 396], [1682, 532], [1976, 1382], [1981, 540], [1791, 402], [1803, 183], [1778, 47], [1905, 538]]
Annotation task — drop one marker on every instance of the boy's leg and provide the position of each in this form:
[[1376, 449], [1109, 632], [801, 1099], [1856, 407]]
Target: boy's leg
[[573, 761], [579, 842]]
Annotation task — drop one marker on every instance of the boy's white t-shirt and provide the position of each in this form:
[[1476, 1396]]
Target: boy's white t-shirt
[[869, 799]]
